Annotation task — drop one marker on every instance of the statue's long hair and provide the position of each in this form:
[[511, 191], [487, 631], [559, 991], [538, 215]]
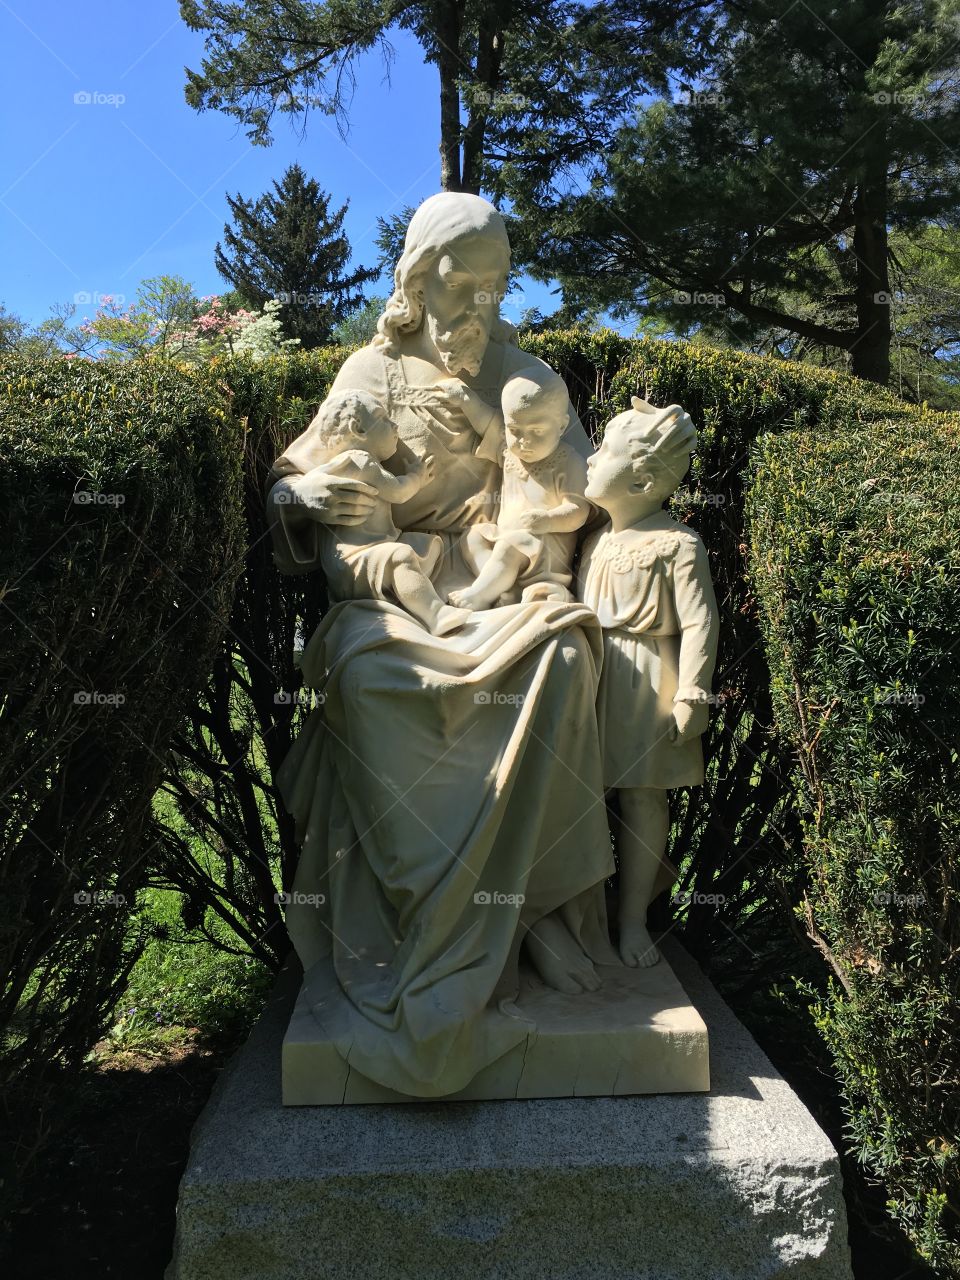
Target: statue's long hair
[[434, 228]]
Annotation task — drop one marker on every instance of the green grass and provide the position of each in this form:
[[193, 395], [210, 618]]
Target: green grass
[[184, 990]]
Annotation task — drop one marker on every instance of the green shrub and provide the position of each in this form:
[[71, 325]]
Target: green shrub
[[228, 844], [856, 558], [119, 487]]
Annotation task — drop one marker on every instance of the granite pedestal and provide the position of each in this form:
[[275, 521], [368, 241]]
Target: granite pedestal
[[735, 1184]]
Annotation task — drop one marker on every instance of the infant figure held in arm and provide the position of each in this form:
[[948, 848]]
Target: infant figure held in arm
[[371, 558]]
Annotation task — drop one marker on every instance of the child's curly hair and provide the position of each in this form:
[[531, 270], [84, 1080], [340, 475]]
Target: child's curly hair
[[341, 421]]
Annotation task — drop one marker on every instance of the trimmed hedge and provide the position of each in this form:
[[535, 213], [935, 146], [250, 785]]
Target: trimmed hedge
[[119, 486], [856, 558], [242, 725]]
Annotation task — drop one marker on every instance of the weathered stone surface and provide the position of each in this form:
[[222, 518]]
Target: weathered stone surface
[[735, 1184], [637, 1034]]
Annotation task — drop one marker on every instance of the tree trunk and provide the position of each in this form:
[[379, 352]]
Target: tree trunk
[[489, 57], [870, 351], [448, 30]]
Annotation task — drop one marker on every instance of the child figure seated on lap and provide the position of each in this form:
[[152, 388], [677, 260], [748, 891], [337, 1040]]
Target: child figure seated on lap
[[352, 436], [527, 554]]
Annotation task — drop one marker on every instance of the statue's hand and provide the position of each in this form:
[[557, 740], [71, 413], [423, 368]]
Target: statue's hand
[[446, 408], [331, 499], [456, 397], [533, 520], [690, 720], [425, 469], [453, 391]]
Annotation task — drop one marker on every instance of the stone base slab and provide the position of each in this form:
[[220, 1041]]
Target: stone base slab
[[638, 1034], [736, 1184]]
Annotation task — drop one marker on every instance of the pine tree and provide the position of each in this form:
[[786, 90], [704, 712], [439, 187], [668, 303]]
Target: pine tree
[[555, 73], [289, 245], [769, 187]]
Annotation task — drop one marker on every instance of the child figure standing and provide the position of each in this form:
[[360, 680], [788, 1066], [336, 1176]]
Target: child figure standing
[[647, 578]]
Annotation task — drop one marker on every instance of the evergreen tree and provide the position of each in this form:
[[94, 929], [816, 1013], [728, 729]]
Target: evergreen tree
[[777, 174], [289, 245], [554, 73]]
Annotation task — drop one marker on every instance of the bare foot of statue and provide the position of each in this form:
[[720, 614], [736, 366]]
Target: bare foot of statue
[[637, 948], [447, 619], [559, 959], [470, 598]]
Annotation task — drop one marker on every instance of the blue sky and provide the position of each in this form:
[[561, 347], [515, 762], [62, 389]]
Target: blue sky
[[97, 195]]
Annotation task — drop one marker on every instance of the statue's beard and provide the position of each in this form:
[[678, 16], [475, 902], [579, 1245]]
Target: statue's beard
[[461, 348]]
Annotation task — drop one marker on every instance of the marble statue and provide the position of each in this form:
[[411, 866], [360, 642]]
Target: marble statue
[[372, 560], [528, 553], [449, 791], [647, 578]]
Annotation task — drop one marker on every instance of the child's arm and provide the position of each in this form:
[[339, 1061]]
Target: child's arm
[[573, 511], [697, 613], [476, 411], [402, 488], [486, 422]]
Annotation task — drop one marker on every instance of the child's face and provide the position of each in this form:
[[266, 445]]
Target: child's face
[[533, 430], [610, 473], [380, 438]]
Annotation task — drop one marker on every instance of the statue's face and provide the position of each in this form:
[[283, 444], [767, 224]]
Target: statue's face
[[380, 437], [461, 292], [610, 474], [533, 431]]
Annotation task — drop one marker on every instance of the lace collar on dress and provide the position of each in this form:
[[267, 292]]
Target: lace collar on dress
[[622, 555]]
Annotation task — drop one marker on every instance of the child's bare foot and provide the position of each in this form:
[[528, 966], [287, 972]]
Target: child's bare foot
[[447, 619], [559, 959], [469, 598], [637, 948]]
